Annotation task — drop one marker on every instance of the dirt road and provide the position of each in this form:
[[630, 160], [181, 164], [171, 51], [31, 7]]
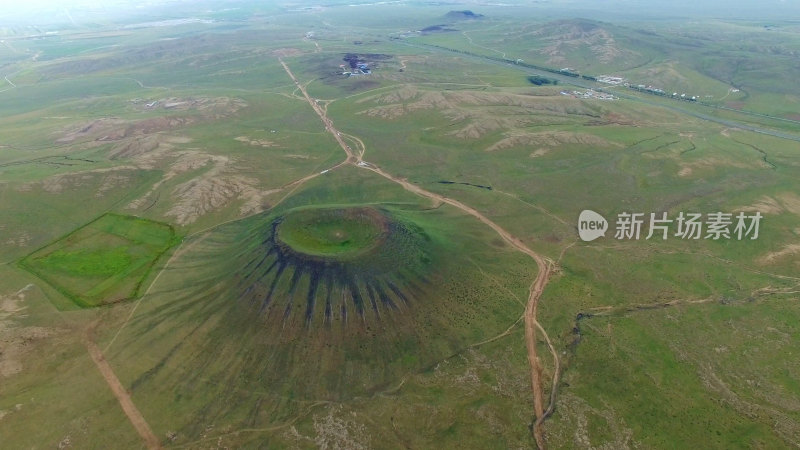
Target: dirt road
[[531, 325], [134, 416], [351, 157], [545, 265]]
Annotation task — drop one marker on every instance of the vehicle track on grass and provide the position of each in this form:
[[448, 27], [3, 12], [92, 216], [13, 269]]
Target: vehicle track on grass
[[351, 157], [501, 53], [134, 416], [545, 265]]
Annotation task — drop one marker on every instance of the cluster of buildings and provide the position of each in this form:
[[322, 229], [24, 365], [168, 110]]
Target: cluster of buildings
[[611, 80], [693, 98], [657, 91], [648, 88], [590, 93], [360, 69], [137, 101], [614, 80]]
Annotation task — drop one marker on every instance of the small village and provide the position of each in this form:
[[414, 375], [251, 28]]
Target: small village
[[620, 81], [589, 94], [356, 65], [359, 69]]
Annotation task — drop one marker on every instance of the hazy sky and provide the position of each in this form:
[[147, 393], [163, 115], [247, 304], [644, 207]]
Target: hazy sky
[[57, 10], [52, 11], [7, 6], [16, 5]]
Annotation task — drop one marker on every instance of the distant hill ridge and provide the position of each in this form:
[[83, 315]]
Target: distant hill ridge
[[462, 15]]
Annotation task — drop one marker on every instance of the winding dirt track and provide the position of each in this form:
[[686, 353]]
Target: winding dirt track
[[134, 416], [545, 265]]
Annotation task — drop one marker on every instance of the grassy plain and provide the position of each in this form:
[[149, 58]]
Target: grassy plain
[[294, 367], [105, 261], [660, 344]]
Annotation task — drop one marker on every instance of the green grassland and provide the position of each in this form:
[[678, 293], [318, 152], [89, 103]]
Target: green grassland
[[626, 168], [103, 262], [459, 306], [57, 383], [691, 58], [660, 343], [330, 232]]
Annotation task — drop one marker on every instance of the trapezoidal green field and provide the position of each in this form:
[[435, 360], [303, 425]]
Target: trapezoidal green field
[[104, 261]]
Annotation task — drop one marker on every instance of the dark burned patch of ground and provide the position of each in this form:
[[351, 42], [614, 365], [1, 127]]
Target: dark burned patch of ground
[[354, 59], [331, 73]]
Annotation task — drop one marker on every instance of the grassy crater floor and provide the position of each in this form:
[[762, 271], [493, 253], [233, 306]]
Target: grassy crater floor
[[327, 264], [333, 233]]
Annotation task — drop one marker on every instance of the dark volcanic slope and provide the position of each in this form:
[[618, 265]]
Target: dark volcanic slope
[[290, 285], [257, 318]]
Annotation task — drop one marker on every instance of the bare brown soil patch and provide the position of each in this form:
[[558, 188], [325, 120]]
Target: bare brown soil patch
[[785, 202], [115, 129], [282, 52], [146, 144], [92, 128], [565, 37], [612, 118], [771, 257], [213, 107], [131, 148], [408, 99], [112, 181], [708, 163], [547, 140], [108, 178], [791, 202], [209, 192], [255, 142], [477, 113], [122, 395], [17, 340], [765, 205], [666, 74], [217, 187]]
